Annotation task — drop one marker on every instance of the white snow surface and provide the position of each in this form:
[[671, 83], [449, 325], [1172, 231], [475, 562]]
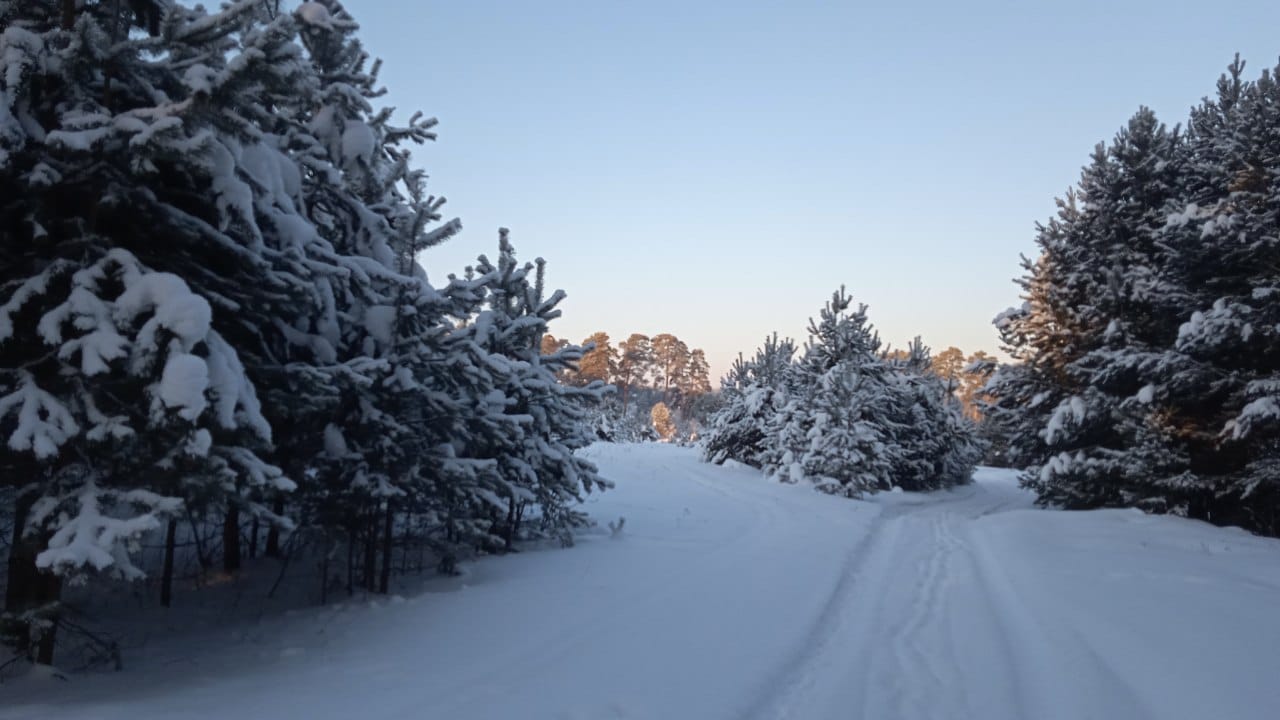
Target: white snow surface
[[313, 13], [183, 383], [729, 596]]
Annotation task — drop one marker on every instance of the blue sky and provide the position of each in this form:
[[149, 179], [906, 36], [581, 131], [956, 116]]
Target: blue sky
[[716, 169]]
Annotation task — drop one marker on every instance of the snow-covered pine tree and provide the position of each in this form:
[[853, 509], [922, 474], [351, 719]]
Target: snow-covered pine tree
[[933, 444], [542, 421], [1218, 387], [833, 431], [753, 392], [846, 416], [1148, 341], [1105, 268], [379, 436], [139, 282]]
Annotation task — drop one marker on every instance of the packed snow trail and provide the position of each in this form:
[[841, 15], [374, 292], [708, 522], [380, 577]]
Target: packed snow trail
[[727, 596], [942, 634]]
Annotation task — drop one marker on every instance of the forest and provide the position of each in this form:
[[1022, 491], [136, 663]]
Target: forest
[[226, 352]]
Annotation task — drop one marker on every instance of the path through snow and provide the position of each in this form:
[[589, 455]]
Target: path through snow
[[727, 596]]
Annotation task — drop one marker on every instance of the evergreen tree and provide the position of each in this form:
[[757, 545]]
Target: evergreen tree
[[846, 416], [1146, 347], [663, 424], [145, 276], [544, 421], [949, 366], [752, 391], [833, 431], [599, 361], [635, 362], [671, 365], [1217, 391], [698, 377], [210, 292], [1097, 437]]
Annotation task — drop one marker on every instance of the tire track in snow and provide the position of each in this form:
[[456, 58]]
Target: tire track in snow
[[913, 662], [802, 668], [921, 645], [882, 645]]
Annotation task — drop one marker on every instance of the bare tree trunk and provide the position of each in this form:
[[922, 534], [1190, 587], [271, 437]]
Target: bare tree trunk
[[19, 576], [253, 538], [351, 557], [29, 589], [273, 533], [384, 582], [508, 533], [370, 550], [231, 540], [166, 578], [405, 539], [68, 14], [324, 575], [201, 553]]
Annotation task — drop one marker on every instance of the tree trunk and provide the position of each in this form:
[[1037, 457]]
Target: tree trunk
[[253, 538], [28, 590], [231, 540], [370, 550], [324, 575], [19, 576], [273, 533], [166, 578], [202, 554], [509, 532], [351, 557], [48, 595], [384, 582]]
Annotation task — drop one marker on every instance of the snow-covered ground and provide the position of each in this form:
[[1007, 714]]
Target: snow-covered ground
[[727, 596]]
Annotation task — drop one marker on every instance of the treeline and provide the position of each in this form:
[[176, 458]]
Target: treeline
[[964, 376], [662, 386], [843, 413], [214, 331], [1147, 350]]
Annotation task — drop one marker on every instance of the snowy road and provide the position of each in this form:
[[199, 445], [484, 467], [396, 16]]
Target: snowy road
[[727, 596], [929, 625]]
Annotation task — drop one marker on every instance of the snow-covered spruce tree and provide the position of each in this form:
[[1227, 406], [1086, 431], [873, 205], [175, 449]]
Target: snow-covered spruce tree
[[422, 425], [1148, 342], [1094, 322], [834, 429], [934, 444], [537, 422], [135, 270], [378, 434], [752, 393], [845, 416], [1217, 390]]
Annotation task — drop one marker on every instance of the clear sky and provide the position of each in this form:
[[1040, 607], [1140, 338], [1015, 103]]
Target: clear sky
[[716, 169]]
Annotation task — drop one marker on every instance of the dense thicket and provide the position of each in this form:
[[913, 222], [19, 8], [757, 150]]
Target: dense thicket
[[1148, 345], [213, 324], [846, 415]]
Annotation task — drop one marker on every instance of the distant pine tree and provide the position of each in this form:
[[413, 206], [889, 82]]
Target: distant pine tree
[[845, 416]]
